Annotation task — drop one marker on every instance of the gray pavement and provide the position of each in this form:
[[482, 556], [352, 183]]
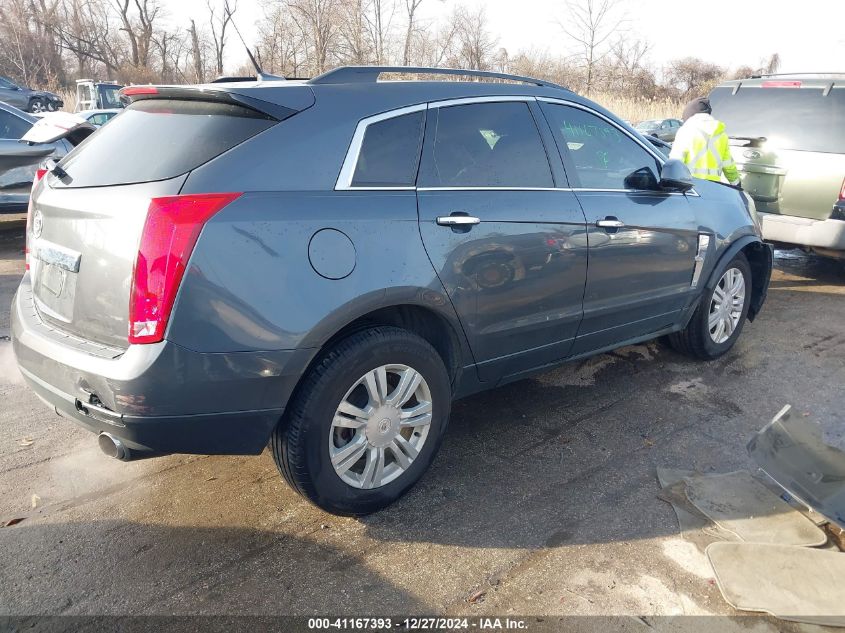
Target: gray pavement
[[541, 502]]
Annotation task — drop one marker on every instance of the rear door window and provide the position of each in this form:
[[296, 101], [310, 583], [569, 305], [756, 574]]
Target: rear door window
[[487, 145], [158, 139], [789, 118], [603, 156], [390, 152], [11, 126]]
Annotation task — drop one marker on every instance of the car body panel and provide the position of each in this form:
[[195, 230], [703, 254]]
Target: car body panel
[[806, 458]]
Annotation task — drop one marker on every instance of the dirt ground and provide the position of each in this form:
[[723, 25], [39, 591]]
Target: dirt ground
[[541, 502]]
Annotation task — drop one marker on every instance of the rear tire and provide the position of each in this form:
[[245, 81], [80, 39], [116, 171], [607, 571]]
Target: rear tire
[[361, 429], [718, 320]]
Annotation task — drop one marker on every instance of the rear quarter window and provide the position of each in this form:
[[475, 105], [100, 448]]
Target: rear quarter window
[[789, 118], [158, 139]]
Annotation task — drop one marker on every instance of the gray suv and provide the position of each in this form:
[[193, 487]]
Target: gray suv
[[325, 265]]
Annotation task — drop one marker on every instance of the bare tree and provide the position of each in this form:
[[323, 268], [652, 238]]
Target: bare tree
[[590, 24], [411, 7], [218, 24], [691, 76], [316, 19], [475, 41]]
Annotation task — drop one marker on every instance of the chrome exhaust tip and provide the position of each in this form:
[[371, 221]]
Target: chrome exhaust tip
[[113, 447]]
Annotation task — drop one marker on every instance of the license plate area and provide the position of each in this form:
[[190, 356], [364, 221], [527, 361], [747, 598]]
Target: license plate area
[[54, 274]]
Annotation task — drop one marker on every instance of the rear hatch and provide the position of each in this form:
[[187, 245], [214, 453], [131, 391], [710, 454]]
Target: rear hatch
[[788, 140], [86, 226]]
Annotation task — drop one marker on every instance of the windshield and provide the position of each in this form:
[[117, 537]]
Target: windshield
[[789, 118], [109, 96]]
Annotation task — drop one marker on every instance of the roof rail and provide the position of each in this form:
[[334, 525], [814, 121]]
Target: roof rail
[[822, 75], [368, 74]]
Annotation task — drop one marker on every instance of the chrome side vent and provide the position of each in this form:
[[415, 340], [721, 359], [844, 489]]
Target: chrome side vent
[[700, 256]]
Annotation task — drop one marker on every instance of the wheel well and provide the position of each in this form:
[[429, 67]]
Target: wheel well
[[759, 259], [421, 321]]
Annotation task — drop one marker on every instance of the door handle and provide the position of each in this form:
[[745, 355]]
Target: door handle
[[610, 223], [457, 220]]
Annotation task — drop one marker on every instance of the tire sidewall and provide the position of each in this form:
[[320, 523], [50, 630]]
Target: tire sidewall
[[330, 490], [712, 348]]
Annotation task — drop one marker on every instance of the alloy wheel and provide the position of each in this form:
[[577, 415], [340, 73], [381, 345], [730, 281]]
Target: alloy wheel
[[380, 426], [726, 305]]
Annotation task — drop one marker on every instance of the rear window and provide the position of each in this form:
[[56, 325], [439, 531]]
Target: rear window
[[790, 118], [161, 138]]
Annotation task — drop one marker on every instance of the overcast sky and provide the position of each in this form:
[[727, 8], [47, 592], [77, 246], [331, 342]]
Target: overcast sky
[[809, 35]]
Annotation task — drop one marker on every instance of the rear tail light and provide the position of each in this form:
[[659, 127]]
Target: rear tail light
[[842, 192], [131, 91], [781, 84], [39, 174], [170, 233]]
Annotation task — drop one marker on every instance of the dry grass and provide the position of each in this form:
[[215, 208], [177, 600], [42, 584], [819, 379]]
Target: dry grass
[[635, 110]]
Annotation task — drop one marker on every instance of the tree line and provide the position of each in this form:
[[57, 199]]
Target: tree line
[[53, 42]]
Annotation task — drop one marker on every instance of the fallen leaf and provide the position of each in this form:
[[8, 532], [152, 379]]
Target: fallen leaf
[[26, 441], [12, 522], [648, 442], [35, 500], [478, 596]]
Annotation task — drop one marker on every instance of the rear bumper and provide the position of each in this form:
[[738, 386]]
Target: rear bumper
[[163, 397], [790, 229]]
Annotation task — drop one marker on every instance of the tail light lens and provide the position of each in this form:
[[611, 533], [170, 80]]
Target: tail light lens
[[39, 174], [171, 230]]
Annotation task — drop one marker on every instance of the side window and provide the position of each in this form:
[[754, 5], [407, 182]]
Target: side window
[[390, 152], [603, 156], [487, 145], [12, 126]]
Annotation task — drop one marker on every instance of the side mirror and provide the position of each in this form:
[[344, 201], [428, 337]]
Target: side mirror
[[675, 176]]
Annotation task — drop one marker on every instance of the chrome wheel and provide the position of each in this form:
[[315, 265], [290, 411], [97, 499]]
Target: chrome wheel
[[37, 106], [726, 305], [380, 426]]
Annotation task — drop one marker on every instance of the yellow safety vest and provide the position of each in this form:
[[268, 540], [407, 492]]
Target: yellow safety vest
[[703, 146]]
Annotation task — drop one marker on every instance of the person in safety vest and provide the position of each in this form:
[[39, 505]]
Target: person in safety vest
[[702, 144]]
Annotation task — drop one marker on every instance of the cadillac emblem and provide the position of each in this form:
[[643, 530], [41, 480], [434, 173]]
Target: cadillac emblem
[[37, 224]]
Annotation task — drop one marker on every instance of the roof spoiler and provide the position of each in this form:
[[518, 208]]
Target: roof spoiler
[[131, 94]]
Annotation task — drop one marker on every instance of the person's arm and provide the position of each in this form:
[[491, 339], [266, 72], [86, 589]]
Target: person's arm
[[679, 147], [728, 165]]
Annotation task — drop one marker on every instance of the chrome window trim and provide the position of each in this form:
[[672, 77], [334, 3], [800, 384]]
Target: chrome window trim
[[493, 189], [347, 171], [484, 99]]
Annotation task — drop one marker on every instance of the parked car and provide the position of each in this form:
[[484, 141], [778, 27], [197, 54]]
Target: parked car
[[664, 129], [99, 118], [788, 142], [97, 95], [27, 99], [325, 265], [18, 161]]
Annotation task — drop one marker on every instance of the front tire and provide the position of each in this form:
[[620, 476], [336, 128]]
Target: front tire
[[37, 105], [366, 421], [718, 320]]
